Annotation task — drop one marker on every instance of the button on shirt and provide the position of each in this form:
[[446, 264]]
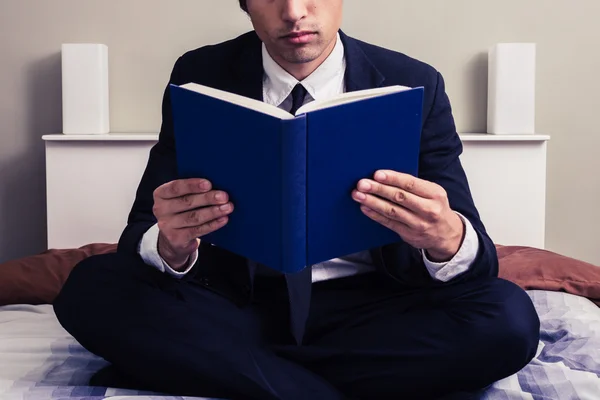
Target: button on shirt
[[325, 82]]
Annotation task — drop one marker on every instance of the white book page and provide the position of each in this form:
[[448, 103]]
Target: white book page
[[350, 97], [242, 101]]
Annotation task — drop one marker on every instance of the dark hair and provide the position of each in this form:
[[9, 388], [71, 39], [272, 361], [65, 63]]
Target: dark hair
[[243, 5]]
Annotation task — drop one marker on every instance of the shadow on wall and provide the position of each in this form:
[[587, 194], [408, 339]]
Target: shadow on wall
[[477, 92], [23, 194]]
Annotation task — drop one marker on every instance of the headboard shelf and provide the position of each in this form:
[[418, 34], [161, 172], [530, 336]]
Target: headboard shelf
[[92, 179], [145, 137], [112, 137]]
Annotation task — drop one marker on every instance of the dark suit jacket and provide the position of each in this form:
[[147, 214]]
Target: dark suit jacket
[[236, 66]]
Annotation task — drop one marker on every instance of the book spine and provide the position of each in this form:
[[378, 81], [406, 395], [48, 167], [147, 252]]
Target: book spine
[[293, 184]]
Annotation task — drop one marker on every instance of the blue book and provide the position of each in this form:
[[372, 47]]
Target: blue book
[[290, 177]]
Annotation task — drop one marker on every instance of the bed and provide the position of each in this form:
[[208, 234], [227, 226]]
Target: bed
[[39, 360]]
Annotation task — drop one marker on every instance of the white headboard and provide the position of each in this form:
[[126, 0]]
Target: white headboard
[[91, 183]]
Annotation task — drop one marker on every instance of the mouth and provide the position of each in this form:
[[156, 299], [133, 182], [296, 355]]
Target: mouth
[[300, 37]]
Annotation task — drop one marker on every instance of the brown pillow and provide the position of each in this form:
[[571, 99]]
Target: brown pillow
[[38, 279], [532, 268]]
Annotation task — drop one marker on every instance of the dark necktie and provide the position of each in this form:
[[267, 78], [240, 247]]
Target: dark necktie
[[299, 284], [299, 287], [298, 96]]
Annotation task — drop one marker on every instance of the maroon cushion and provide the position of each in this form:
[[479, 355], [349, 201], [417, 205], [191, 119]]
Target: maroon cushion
[[38, 279], [533, 268]]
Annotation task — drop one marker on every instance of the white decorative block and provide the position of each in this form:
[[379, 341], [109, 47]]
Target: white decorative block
[[85, 89], [511, 92]]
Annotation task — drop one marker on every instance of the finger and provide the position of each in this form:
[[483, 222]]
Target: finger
[[388, 209], [409, 183], [389, 223], [199, 216], [394, 194], [182, 187], [194, 232], [407, 234], [190, 202]]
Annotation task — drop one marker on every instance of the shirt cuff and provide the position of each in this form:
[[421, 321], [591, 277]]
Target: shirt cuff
[[148, 250], [461, 262]]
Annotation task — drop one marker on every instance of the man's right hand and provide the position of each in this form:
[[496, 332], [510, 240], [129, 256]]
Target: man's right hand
[[186, 210]]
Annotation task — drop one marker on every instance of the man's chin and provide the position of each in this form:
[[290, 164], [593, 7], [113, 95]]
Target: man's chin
[[301, 56]]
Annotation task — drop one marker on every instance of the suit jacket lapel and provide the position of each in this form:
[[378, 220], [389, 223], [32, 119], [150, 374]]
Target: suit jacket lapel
[[249, 71], [361, 74]]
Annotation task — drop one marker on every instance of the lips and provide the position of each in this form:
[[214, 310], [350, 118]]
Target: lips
[[301, 37]]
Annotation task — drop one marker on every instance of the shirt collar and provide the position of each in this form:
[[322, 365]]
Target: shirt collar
[[278, 83]]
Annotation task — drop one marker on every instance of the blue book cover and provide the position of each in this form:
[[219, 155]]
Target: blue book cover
[[290, 177]]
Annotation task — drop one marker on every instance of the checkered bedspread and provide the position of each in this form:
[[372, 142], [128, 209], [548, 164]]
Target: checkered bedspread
[[40, 361]]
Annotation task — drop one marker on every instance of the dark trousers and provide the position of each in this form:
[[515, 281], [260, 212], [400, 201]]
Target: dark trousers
[[366, 337]]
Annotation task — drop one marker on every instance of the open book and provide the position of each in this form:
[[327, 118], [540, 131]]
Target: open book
[[274, 111], [290, 177]]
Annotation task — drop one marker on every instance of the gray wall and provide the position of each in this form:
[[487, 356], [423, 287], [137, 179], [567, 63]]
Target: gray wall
[[146, 36]]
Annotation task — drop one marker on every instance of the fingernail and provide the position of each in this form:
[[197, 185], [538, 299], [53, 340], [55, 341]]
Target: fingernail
[[360, 196], [205, 185], [219, 196], [225, 207], [366, 210], [364, 186], [380, 176], [222, 220]]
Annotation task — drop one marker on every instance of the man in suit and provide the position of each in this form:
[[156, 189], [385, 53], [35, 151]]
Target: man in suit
[[424, 317]]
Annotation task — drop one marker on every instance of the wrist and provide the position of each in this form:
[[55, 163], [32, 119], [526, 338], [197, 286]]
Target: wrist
[[452, 242], [178, 266], [177, 263]]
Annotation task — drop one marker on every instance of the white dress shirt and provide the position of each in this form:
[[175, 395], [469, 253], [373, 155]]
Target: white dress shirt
[[325, 82]]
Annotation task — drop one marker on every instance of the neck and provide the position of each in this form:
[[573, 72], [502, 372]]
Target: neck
[[301, 71]]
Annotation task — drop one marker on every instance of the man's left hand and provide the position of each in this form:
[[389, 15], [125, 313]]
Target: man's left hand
[[417, 210]]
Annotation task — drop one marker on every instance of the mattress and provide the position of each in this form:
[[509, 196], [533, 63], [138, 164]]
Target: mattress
[[40, 361]]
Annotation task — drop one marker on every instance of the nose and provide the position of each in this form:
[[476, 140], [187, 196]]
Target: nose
[[294, 10]]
